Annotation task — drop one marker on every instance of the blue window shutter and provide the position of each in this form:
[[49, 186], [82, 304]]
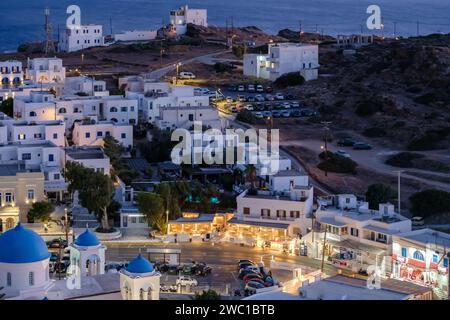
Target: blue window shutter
[[404, 252]]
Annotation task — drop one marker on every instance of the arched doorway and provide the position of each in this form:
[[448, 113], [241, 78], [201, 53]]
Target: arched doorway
[[93, 265], [5, 81]]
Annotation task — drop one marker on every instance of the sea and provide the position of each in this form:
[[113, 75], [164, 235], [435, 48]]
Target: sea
[[23, 20]]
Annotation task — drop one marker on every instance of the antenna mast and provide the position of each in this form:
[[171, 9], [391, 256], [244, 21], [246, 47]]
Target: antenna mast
[[49, 46]]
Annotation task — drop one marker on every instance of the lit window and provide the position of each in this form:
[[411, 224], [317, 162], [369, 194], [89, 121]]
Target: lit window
[[22, 136], [8, 197]]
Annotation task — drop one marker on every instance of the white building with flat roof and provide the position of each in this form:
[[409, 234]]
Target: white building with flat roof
[[171, 118], [45, 70], [421, 256], [284, 58], [82, 84], [11, 73], [89, 156], [86, 36], [92, 133], [136, 35], [356, 236], [37, 106], [181, 17]]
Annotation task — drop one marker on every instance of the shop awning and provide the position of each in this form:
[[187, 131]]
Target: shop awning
[[203, 218], [259, 224]]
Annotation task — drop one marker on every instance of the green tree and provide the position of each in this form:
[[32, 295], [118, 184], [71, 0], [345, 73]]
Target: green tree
[[428, 202], [378, 193], [7, 107], [95, 190], [250, 175], [40, 211], [207, 295], [152, 206]]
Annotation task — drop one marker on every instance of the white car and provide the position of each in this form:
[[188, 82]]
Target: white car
[[241, 88], [417, 221], [285, 114], [186, 75], [259, 98], [259, 88], [249, 107], [186, 281], [279, 96], [343, 153]]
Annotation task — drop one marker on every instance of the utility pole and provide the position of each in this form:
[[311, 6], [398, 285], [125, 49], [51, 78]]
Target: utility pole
[[323, 250], [326, 126], [110, 25], [300, 22]]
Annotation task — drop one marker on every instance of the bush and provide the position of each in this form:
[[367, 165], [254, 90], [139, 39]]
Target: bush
[[246, 116], [429, 202], [378, 193], [368, 107], [403, 159], [430, 140], [374, 132], [289, 79], [338, 164], [323, 154], [7, 107], [221, 67], [40, 211]]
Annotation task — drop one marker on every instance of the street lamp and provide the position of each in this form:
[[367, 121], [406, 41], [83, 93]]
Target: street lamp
[[66, 224]]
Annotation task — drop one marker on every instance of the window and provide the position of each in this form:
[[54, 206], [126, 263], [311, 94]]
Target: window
[[141, 220], [87, 135], [445, 262], [131, 108], [8, 279], [133, 219], [123, 135], [281, 213], [21, 136], [30, 194], [31, 278], [418, 256], [246, 210], [32, 114], [191, 117], [55, 136], [99, 133], [56, 176], [404, 252], [354, 232], [265, 212], [382, 237], [295, 214], [51, 157], [124, 109], [8, 197], [26, 156], [113, 109], [107, 133], [62, 110]]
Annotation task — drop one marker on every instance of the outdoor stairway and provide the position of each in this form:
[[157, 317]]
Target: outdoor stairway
[[83, 219]]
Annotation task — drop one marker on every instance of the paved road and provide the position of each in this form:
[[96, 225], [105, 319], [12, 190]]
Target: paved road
[[222, 258], [161, 72]]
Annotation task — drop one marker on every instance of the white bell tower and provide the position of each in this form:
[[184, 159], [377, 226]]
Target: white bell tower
[[88, 254]]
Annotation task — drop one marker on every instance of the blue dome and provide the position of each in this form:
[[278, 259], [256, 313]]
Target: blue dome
[[20, 245], [87, 239], [139, 265]]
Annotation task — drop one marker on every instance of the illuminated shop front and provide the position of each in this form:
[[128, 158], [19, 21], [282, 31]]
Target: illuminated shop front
[[194, 223]]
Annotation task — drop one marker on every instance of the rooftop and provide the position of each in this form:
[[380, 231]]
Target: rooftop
[[427, 236], [85, 152], [13, 169], [264, 224], [290, 173]]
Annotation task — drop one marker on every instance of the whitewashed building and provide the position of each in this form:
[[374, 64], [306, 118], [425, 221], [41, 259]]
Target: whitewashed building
[[355, 235], [38, 106], [181, 17], [85, 85], [89, 156], [45, 70], [136, 35], [11, 73], [184, 117], [27, 131], [284, 58], [92, 133], [89, 35], [421, 256]]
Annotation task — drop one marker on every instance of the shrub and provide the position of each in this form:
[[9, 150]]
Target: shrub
[[338, 164], [323, 154], [246, 116], [378, 193], [429, 202], [40, 211], [7, 107], [403, 159], [221, 67], [289, 79], [368, 107], [430, 140]]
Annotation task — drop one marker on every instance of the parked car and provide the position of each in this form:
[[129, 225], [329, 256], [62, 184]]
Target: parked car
[[249, 107], [258, 114], [241, 98], [186, 270], [346, 142], [245, 264], [362, 146], [286, 105], [307, 112], [251, 88], [241, 88], [267, 114], [269, 89], [232, 87], [244, 272], [234, 110], [417, 221], [202, 269], [285, 114], [269, 97], [295, 104], [57, 243], [246, 261], [343, 153], [276, 114], [296, 113], [253, 285], [259, 98], [259, 88], [251, 99], [172, 269], [251, 268], [186, 75], [279, 96], [186, 281], [289, 97]]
